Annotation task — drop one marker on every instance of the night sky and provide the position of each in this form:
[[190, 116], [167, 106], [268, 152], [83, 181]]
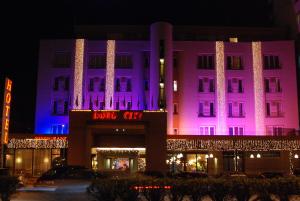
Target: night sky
[[23, 25]]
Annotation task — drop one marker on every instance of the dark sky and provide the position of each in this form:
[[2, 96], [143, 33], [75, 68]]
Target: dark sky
[[23, 25]]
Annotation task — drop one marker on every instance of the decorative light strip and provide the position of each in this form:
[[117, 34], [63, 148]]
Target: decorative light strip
[[37, 144], [258, 89], [119, 149], [78, 74], [220, 74], [110, 74], [231, 144]]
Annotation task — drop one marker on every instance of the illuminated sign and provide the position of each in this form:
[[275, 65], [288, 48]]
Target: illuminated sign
[[6, 111], [115, 115], [50, 138]]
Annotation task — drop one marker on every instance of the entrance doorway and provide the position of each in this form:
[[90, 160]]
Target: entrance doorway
[[127, 160]]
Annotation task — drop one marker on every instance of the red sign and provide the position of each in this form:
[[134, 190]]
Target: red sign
[[114, 115], [6, 110]]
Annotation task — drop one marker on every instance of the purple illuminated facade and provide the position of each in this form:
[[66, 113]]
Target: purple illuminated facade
[[211, 87]]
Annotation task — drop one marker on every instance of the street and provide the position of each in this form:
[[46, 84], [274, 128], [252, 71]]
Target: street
[[49, 196]]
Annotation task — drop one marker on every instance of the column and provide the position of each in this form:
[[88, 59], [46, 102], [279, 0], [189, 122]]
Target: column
[[220, 86], [110, 74], [258, 89], [78, 74]]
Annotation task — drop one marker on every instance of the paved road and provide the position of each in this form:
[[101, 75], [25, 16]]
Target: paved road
[[49, 196]]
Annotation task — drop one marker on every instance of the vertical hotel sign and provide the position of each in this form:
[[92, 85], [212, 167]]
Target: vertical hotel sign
[[6, 111]]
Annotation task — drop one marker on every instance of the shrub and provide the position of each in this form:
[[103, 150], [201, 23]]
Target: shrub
[[8, 186]]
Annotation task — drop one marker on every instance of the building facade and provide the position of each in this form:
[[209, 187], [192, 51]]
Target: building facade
[[139, 103]]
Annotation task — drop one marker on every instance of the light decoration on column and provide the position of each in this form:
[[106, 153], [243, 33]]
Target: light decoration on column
[[258, 89], [110, 74], [78, 74], [220, 74]]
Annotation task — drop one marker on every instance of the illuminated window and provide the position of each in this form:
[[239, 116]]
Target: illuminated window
[[207, 130], [236, 130], [123, 61], [96, 60], [234, 63], [206, 62], [271, 62], [175, 87], [62, 60], [233, 40]]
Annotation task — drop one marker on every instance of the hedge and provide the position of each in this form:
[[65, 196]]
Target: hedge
[[8, 186], [155, 189]]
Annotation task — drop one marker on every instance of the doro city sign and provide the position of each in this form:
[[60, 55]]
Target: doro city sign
[[116, 115]]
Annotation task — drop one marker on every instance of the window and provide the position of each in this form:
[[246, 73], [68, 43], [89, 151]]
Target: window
[[102, 105], [272, 85], [175, 85], [60, 107], [234, 63], [175, 131], [123, 84], [275, 130], [235, 85], [233, 40], [62, 60], [273, 109], [96, 61], [236, 130], [146, 59], [236, 109], [207, 130], [146, 85], [129, 105], [91, 85], [128, 85], [61, 83], [206, 62], [58, 129], [206, 85], [102, 85], [175, 108], [123, 61], [118, 105], [271, 62], [206, 109]]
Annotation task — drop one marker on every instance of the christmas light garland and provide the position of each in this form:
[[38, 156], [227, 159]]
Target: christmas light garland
[[232, 144], [37, 144]]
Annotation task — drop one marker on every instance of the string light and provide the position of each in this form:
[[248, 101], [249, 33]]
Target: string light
[[78, 74], [233, 144], [110, 74], [258, 88], [37, 144], [220, 71]]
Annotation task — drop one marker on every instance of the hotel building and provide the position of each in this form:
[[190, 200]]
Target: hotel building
[[163, 97]]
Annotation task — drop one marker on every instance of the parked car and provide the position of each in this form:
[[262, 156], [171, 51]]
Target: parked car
[[67, 172], [272, 174], [189, 175]]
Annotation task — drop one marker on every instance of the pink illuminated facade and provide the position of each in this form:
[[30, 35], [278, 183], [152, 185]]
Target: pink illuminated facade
[[206, 87]]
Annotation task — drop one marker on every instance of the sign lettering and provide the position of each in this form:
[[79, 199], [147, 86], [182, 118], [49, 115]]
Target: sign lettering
[[6, 110], [114, 115]]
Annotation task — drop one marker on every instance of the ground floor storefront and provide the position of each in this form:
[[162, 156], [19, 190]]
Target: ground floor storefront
[[135, 141]]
